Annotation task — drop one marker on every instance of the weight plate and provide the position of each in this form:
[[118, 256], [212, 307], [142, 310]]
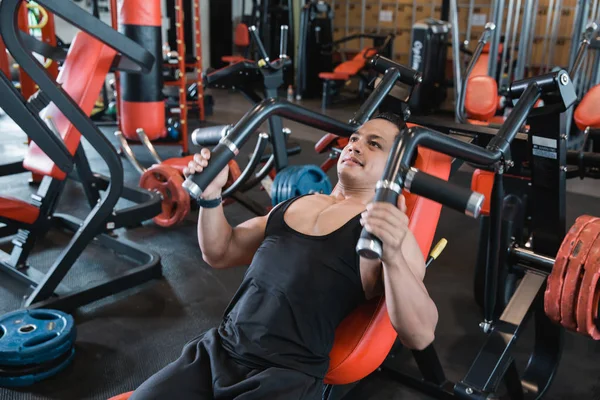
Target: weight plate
[[554, 286], [34, 335], [574, 274], [168, 182], [276, 187], [313, 180], [40, 357], [34, 375], [589, 294], [288, 187]]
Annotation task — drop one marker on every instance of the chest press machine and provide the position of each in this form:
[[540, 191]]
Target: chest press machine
[[56, 118]]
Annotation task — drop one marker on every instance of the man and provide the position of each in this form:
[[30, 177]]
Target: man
[[304, 278]]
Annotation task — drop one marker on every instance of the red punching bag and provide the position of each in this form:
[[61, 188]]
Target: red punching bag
[[142, 103]]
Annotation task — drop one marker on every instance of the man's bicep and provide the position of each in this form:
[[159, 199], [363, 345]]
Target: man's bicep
[[246, 239]]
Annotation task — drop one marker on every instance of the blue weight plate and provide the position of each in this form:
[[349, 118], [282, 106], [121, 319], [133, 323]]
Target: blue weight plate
[[40, 357], [288, 182], [313, 180], [275, 195], [33, 376], [32, 334]]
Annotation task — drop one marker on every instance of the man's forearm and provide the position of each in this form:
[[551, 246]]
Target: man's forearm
[[412, 312], [214, 233]]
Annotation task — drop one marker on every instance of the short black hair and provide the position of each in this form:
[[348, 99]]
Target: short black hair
[[395, 119]]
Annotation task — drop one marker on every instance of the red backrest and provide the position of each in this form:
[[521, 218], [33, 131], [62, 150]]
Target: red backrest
[[4, 67], [587, 113], [365, 337], [242, 36], [481, 98], [481, 66], [82, 76]]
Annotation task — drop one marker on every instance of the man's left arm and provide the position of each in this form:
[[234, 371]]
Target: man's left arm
[[412, 311]]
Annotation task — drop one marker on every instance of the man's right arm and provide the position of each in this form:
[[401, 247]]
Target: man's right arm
[[223, 246]]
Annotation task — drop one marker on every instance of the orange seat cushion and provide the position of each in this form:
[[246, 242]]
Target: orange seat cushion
[[178, 163], [4, 67], [481, 66], [364, 55], [242, 36], [123, 396], [81, 77], [364, 339], [334, 76], [18, 210], [352, 67], [481, 99], [233, 59], [587, 113]]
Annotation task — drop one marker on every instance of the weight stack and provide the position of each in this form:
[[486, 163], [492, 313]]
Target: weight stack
[[142, 103], [428, 55]]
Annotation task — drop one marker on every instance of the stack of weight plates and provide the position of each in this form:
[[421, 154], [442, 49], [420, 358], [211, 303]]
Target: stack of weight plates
[[299, 180], [34, 345]]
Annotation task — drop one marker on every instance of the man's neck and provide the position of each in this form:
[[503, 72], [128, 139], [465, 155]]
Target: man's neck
[[359, 195]]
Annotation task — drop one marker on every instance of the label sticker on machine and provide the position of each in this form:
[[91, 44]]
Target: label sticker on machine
[[386, 16], [544, 147], [478, 19]]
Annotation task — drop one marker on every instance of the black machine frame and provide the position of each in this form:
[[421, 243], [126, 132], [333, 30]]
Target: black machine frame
[[48, 290], [538, 154], [545, 164]]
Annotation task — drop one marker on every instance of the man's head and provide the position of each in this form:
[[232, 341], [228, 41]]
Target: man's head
[[362, 161]]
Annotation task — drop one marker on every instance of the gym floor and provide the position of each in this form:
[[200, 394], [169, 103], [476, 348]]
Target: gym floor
[[125, 338]]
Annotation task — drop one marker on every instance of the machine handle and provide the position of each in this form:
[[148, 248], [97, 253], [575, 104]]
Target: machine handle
[[209, 136], [420, 183], [448, 194], [283, 44], [369, 246], [588, 37], [408, 76], [196, 184], [259, 43]]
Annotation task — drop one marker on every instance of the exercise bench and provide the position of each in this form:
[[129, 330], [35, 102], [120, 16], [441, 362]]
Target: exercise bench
[[55, 119]]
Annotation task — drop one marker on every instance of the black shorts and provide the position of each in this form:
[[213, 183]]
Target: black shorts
[[206, 371]]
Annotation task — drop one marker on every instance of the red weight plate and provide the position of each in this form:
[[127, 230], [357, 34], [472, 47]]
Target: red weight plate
[[589, 294], [574, 275], [234, 173], [553, 294], [168, 182]]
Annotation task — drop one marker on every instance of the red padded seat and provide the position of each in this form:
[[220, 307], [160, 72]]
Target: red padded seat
[[82, 76], [18, 210], [233, 59], [587, 113], [481, 99]]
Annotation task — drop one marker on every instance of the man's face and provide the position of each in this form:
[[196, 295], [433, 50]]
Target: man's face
[[362, 161]]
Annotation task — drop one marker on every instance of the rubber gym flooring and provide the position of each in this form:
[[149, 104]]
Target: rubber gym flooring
[[125, 338]]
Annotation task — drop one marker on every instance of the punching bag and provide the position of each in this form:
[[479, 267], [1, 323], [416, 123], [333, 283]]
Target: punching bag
[[142, 103]]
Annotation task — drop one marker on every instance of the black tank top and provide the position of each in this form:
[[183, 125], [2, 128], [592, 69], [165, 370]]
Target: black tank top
[[295, 293]]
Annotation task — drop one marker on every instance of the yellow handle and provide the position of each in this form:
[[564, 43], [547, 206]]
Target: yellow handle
[[42, 11], [439, 247]]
